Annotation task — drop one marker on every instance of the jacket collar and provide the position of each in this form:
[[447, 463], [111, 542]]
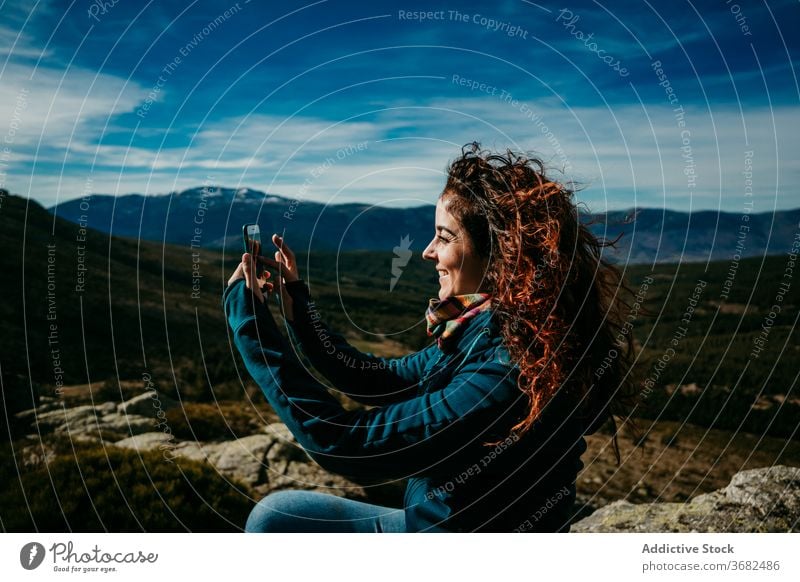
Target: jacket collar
[[480, 330]]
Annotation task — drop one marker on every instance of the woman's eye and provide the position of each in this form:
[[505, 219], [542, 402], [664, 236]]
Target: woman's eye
[[441, 238]]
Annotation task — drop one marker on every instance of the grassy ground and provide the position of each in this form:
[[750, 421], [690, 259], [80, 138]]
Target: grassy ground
[[678, 461]]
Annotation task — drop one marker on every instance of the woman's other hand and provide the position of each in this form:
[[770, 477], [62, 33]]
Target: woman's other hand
[[284, 261], [286, 265]]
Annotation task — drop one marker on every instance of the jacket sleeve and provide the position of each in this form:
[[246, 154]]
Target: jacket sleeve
[[423, 433], [363, 377]]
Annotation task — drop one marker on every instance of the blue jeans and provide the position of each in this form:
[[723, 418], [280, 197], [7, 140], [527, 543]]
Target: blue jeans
[[309, 511]]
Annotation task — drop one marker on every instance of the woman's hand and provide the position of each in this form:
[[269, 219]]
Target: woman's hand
[[247, 270], [284, 263]]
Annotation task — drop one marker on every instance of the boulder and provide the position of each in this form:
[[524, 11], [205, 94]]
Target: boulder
[[284, 450], [194, 451], [106, 408], [87, 422], [757, 500], [147, 404], [774, 489], [147, 441], [76, 418], [265, 462], [288, 466], [35, 455], [126, 424], [244, 458]]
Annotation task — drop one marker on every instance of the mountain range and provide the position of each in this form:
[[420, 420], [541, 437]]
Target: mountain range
[[212, 217]]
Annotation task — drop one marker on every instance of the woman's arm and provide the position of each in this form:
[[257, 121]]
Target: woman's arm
[[363, 377], [422, 433]]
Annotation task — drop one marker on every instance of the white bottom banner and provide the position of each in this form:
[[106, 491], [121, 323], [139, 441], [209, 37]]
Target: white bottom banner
[[401, 557]]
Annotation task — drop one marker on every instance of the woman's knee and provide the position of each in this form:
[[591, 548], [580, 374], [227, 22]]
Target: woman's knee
[[274, 512], [310, 511]]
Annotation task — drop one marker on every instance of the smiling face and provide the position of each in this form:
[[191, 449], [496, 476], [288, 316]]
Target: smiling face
[[460, 269]]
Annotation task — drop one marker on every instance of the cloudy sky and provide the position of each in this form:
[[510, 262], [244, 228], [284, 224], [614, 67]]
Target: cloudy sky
[[673, 105]]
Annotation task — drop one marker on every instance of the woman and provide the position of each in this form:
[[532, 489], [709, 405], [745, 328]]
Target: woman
[[488, 421]]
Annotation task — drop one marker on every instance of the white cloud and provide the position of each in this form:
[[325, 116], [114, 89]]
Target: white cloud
[[45, 113], [17, 45], [623, 159]]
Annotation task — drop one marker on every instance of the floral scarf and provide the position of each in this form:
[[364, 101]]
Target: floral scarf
[[447, 316]]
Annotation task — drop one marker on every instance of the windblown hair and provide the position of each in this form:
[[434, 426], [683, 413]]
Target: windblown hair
[[560, 304]]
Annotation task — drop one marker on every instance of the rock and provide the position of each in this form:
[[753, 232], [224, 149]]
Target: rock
[[266, 462], [288, 466], [90, 423], [48, 404], [28, 416], [126, 424], [279, 431], [106, 408], [757, 500], [147, 404], [770, 489], [244, 459], [35, 455], [194, 451], [284, 450], [76, 418], [147, 441], [311, 477]]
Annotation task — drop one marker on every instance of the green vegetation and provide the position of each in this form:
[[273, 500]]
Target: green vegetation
[[88, 488], [211, 422], [726, 371]]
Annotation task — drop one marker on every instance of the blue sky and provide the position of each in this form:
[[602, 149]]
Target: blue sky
[[367, 102]]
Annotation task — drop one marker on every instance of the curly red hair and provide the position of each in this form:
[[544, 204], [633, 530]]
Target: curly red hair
[[557, 299]]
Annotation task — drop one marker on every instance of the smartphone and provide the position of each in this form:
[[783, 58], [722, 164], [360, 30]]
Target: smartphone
[[251, 235]]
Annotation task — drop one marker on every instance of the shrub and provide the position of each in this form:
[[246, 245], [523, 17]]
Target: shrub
[[670, 439], [209, 422], [117, 490]]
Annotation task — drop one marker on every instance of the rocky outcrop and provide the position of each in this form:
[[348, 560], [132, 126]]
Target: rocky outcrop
[[146, 404], [265, 462], [757, 500], [107, 421], [148, 441]]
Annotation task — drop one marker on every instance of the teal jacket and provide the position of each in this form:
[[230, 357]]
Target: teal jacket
[[432, 413]]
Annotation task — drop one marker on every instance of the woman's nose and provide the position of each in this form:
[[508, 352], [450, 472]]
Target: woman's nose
[[428, 252]]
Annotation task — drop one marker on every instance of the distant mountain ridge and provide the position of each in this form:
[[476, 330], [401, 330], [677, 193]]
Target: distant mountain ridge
[[212, 217]]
